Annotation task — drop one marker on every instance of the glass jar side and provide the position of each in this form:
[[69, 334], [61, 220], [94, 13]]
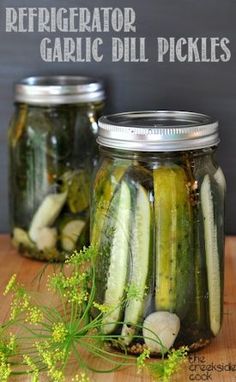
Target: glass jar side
[[51, 161], [209, 190], [152, 231]]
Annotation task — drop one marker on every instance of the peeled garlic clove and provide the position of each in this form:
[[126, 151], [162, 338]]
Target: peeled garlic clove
[[47, 238], [160, 329]]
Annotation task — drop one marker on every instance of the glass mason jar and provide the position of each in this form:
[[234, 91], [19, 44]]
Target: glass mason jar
[[52, 148], [158, 225]]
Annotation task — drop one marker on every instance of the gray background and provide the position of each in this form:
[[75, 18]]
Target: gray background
[[204, 87]]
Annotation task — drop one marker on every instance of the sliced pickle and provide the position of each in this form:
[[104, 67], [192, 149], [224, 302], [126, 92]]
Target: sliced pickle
[[174, 252]]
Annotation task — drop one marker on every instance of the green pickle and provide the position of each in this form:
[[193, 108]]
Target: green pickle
[[157, 222], [174, 244], [106, 182], [77, 186]]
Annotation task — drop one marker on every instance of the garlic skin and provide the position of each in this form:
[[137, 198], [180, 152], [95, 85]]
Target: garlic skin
[[163, 326]]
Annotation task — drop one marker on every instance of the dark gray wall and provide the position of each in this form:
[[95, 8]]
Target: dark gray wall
[[204, 87]]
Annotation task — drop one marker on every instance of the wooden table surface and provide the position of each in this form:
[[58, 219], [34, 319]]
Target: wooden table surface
[[222, 350]]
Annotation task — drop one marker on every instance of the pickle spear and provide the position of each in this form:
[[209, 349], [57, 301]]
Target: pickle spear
[[199, 311], [119, 257], [220, 180], [106, 182], [174, 259], [76, 184], [212, 256], [140, 251], [47, 213]]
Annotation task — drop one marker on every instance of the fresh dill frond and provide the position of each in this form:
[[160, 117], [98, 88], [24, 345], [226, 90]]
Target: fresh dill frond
[[50, 337], [164, 369]]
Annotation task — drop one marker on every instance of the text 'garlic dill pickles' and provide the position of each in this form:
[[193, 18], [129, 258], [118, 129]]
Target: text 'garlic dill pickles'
[[52, 148], [157, 221]]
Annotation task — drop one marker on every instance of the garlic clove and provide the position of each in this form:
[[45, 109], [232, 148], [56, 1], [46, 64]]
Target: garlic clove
[[160, 329], [47, 238]]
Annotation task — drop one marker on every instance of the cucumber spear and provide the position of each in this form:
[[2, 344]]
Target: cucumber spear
[[106, 183], [140, 251], [119, 256], [174, 258], [212, 256]]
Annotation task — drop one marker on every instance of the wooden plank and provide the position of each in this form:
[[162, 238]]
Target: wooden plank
[[221, 351]]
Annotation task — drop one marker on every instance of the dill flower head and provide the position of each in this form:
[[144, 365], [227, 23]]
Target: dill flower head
[[73, 288], [72, 284], [34, 315], [82, 257], [11, 285], [59, 332], [82, 377], [21, 299], [5, 370], [134, 292], [53, 359], [33, 369], [103, 308], [166, 368], [141, 360], [7, 348]]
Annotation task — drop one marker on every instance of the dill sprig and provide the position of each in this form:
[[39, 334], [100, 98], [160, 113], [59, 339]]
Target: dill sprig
[[163, 371], [49, 338]]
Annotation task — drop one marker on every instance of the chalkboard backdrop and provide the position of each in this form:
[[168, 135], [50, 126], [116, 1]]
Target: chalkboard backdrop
[[208, 87]]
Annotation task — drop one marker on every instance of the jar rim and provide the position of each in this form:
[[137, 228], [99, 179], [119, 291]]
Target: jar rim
[[56, 90], [158, 131]]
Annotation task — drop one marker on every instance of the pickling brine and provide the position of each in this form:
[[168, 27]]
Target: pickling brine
[[52, 148], [158, 225]]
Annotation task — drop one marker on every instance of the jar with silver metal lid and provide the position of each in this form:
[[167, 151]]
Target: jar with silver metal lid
[[52, 148], [158, 226]]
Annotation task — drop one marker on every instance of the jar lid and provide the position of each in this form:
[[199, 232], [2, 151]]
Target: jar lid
[[56, 90], [158, 131]]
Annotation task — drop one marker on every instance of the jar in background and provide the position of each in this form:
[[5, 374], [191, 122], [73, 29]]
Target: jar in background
[[52, 147], [158, 225]]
